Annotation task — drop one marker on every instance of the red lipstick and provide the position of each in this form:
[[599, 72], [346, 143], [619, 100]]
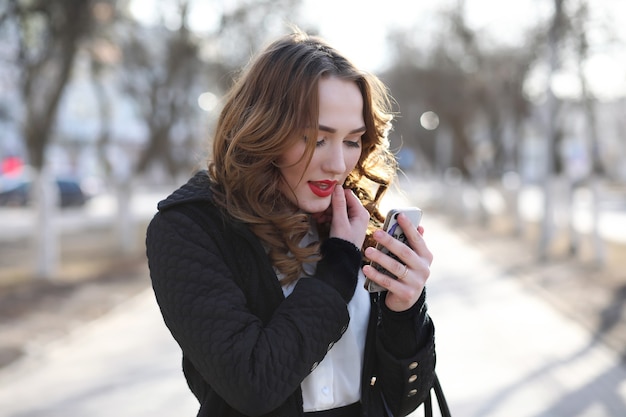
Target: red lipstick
[[322, 188]]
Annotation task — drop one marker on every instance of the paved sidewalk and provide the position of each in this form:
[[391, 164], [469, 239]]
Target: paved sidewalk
[[502, 351], [124, 364]]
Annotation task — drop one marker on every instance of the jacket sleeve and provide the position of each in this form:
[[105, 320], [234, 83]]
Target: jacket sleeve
[[253, 366], [405, 349], [339, 266]]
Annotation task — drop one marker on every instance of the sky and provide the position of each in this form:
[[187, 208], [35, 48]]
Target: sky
[[358, 29], [504, 22]]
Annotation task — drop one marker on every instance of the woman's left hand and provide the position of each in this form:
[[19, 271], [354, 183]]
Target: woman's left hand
[[411, 270]]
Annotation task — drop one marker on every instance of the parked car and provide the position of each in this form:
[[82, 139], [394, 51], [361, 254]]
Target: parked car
[[16, 192], [13, 192]]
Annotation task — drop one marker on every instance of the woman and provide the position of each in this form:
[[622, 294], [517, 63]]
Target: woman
[[257, 263]]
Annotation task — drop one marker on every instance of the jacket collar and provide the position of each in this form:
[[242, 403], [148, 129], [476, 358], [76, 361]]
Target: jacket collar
[[198, 188]]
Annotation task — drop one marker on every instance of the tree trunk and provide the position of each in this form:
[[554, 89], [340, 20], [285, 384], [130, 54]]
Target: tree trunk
[[574, 234], [42, 84], [599, 249], [46, 236], [125, 222], [547, 225]]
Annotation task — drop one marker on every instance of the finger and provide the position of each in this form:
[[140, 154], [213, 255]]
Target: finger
[[406, 291], [396, 248], [415, 237], [356, 211], [402, 293], [340, 224], [382, 279], [393, 266], [352, 202], [338, 203], [405, 273], [418, 269]]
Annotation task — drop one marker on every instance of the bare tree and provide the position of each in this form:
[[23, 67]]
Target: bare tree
[[552, 137], [431, 83], [49, 35], [569, 32], [162, 71], [580, 21], [477, 92]]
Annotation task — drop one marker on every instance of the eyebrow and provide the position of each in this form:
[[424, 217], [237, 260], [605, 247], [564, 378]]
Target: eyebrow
[[361, 129]]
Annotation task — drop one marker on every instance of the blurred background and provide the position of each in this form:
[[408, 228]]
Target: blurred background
[[511, 124]]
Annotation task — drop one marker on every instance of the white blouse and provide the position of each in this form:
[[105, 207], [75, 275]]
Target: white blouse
[[336, 381]]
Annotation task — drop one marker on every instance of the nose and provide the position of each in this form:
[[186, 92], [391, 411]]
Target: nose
[[334, 160]]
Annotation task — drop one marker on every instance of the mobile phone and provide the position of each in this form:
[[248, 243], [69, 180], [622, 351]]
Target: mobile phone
[[392, 227]]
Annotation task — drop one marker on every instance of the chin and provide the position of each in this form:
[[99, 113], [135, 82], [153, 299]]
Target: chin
[[315, 207]]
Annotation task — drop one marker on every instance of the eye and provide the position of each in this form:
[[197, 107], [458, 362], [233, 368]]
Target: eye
[[320, 141], [353, 143]]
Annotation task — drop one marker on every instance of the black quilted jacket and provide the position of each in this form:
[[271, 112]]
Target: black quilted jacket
[[246, 348]]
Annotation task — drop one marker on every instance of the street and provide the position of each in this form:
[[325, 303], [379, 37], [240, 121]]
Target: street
[[501, 122], [17, 222], [502, 351], [123, 364]]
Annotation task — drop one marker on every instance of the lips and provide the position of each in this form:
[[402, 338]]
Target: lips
[[322, 188]]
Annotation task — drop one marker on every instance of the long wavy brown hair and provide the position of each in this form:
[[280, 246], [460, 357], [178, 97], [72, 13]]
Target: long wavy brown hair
[[272, 104]]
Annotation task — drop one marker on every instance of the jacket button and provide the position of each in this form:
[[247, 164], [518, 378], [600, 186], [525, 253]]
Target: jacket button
[[412, 365], [412, 393], [412, 378]]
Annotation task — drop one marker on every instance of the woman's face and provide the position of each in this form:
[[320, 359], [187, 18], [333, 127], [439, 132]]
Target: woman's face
[[337, 150]]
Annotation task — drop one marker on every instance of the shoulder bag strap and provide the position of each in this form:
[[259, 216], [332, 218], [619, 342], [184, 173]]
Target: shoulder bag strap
[[441, 401]]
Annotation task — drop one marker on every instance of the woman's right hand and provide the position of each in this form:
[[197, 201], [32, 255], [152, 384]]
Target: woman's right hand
[[411, 265], [349, 217]]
